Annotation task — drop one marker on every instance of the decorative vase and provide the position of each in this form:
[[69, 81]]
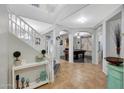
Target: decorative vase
[[17, 81], [118, 51], [43, 75], [27, 82], [22, 81]]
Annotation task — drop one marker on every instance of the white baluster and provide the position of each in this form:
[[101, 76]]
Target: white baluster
[[23, 30]]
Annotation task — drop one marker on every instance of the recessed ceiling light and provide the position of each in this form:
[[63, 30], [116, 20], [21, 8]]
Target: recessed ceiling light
[[80, 34], [82, 20], [62, 32]]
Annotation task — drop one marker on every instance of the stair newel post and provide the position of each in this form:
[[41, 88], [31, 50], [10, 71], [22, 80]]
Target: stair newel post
[[19, 28], [33, 38], [28, 34], [16, 25]]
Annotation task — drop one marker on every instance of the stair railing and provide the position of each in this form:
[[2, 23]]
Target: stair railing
[[23, 30]]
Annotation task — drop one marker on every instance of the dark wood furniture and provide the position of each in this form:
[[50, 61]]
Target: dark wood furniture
[[76, 53]]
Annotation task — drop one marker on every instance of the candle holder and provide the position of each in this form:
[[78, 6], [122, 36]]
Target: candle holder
[[22, 81], [27, 82], [17, 82]]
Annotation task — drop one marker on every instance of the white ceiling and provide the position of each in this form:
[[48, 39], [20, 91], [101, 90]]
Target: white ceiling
[[37, 25], [50, 8], [93, 14], [66, 14], [43, 13], [31, 12]]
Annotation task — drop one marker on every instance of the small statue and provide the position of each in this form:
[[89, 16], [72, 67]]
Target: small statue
[[27, 82], [17, 54], [17, 82], [22, 81]]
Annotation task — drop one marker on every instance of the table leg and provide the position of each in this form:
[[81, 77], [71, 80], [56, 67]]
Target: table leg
[[83, 56], [66, 56], [76, 56]]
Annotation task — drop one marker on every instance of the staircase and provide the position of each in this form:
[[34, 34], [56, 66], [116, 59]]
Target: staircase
[[23, 31]]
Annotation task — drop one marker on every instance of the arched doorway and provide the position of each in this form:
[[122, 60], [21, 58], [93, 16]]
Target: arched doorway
[[83, 42], [64, 44]]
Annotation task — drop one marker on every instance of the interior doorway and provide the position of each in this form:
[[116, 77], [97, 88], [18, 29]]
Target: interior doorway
[[100, 47], [82, 47], [83, 44], [64, 44]]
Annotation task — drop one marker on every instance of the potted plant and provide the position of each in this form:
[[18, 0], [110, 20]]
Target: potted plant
[[17, 54], [43, 52], [116, 60]]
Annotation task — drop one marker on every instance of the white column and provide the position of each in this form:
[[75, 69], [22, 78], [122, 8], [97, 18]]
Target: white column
[[56, 51], [122, 31], [97, 37], [71, 47], [53, 55], [94, 49], [104, 47], [56, 44]]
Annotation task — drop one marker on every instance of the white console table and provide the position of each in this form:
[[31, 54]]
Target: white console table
[[24, 67]]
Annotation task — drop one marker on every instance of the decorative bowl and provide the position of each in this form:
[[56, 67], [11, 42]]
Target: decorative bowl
[[114, 60]]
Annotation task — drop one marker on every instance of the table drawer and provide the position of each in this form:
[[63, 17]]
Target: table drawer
[[114, 83], [116, 74]]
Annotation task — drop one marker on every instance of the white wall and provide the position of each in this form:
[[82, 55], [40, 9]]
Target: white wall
[[109, 48], [99, 38], [27, 53], [42, 44], [112, 45], [3, 46]]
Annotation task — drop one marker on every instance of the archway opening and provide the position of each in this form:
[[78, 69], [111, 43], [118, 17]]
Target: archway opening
[[64, 44], [83, 47]]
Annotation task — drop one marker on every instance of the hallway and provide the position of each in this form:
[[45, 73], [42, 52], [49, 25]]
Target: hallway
[[77, 76], [87, 59]]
